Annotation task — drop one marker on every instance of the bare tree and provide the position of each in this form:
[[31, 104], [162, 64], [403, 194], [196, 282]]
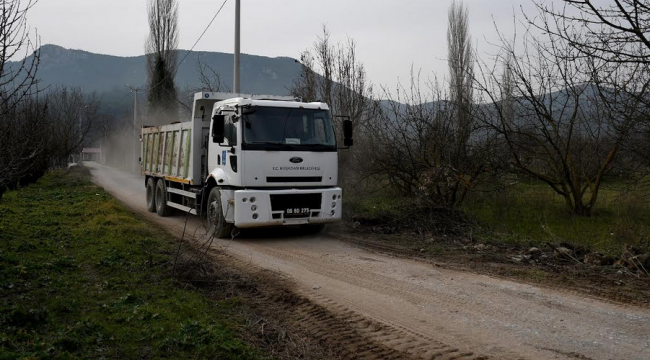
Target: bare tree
[[71, 114], [427, 143], [210, 79], [24, 141], [17, 80], [612, 30], [22, 126], [566, 130], [306, 86], [332, 73], [418, 147], [507, 90], [613, 34], [106, 124], [161, 57], [460, 59]]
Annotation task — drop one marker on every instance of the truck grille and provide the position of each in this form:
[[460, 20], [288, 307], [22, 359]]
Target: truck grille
[[293, 179]]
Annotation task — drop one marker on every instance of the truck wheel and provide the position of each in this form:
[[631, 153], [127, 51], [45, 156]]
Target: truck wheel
[[216, 220], [151, 194], [161, 199]]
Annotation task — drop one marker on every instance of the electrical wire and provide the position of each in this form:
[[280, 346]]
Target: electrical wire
[[125, 96]]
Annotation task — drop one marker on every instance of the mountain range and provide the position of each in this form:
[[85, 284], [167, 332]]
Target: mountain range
[[107, 74]]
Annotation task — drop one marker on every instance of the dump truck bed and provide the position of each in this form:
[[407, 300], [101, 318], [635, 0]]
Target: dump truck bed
[[167, 150]]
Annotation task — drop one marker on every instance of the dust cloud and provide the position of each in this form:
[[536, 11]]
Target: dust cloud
[[121, 149]]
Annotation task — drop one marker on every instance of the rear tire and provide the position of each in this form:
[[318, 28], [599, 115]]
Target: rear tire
[[216, 219], [151, 194], [161, 199]]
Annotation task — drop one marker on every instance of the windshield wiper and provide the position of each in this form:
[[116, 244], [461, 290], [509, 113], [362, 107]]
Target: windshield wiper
[[319, 146], [285, 122]]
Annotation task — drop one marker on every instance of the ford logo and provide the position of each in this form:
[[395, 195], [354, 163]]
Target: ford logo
[[296, 160]]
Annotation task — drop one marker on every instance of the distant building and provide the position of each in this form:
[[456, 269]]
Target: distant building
[[91, 154]]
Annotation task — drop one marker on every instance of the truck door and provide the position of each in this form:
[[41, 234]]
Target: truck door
[[228, 151], [225, 156]]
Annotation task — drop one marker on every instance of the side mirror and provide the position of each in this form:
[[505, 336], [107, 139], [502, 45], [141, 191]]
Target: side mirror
[[347, 132], [218, 124]]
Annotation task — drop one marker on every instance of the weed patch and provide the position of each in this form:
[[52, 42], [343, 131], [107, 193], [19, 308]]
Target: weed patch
[[81, 277], [532, 215], [526, 215]]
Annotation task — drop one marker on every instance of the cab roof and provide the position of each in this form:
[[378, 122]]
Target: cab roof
[[240, 101], [233, 100]]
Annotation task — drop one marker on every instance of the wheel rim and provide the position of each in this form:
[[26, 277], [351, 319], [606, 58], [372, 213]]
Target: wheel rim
[[212, 212], [150, 195], [159, 196]]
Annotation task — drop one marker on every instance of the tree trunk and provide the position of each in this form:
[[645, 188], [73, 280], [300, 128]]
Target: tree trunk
[[581, 209], [576, 205]]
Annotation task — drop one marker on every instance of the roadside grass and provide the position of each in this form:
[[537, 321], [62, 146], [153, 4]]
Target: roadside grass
[[82, 277], [374, 206], [531, 214]]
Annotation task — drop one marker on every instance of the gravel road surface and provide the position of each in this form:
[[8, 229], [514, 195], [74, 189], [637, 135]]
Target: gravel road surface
[[417, 308]]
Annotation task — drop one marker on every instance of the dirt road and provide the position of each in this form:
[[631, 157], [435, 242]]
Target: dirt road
[[422, 310]]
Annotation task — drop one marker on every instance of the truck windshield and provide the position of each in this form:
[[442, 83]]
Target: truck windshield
[[267, 128]]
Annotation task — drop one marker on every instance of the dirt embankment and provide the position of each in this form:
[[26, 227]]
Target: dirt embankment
[[359, 304]]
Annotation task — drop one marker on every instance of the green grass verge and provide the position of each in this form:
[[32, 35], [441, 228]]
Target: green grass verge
[[81, 277], [532, 214]]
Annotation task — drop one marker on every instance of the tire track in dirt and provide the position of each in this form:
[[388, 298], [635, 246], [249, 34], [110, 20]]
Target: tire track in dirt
[[544, 311], [358, 336], [404, 339], [399, 338]]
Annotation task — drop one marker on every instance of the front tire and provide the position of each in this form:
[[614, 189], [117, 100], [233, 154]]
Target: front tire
[[151, 194], [161, 199], [216, 219]]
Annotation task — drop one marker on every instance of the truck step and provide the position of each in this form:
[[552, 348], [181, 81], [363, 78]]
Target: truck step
[[189, 194], [181, 207]]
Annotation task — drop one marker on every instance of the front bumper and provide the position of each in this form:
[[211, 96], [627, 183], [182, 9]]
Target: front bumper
[[254, 208]]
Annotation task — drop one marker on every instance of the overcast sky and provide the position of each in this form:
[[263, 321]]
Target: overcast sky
[[391, 35]]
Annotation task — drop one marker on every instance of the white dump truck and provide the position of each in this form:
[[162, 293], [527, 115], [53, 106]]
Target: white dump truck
[[246, 161]]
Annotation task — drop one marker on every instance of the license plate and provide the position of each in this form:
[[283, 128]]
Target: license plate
[[296, 212]]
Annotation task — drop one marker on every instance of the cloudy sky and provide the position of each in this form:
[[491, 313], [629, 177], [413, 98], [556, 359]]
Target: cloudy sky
[[391, 35]]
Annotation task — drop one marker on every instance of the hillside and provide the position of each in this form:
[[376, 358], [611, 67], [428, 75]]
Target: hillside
[[107, 73]]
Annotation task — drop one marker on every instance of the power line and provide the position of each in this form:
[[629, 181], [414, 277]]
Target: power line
[[193, 46], [125, 96]]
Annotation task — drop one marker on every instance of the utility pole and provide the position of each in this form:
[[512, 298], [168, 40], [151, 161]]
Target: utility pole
[[235, 86], [134, 91], [81, 135]]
